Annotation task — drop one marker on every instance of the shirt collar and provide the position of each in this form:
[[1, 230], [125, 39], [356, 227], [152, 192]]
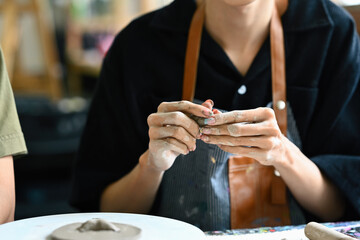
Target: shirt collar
[[176, 16], [301, 15]]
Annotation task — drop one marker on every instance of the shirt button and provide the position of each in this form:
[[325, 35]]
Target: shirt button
[[242, 90], [280, 105]]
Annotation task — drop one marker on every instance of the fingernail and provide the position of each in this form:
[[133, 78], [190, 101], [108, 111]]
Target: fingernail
[[207, 112], [200, 132], [204, 138], [206, 130], [211, 102], [209, 121]]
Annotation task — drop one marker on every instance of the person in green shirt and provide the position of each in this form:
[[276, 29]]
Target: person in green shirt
[[12, 143]]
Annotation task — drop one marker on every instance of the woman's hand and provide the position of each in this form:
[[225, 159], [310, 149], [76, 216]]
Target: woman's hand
[[250, 133], [172, 131], [255, 134]]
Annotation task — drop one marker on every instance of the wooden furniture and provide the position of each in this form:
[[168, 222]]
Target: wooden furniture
[[46, 83], [354, 10]]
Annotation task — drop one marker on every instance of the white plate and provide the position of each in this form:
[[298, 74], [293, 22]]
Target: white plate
[[153, 228]]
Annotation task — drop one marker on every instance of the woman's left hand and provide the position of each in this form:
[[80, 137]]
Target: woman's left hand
[[250, 133], [255, 133]]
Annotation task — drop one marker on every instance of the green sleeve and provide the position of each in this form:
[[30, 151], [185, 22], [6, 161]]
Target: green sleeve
[[12, 140]]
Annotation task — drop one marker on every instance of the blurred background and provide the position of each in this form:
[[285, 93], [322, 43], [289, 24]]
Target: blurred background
[[53, 51]]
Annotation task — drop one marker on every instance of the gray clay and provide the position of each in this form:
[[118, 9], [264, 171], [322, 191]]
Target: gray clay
[[97, 225], [199, 120], [96, 229]]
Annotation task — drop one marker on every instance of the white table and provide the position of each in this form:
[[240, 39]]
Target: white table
[[153, 228]]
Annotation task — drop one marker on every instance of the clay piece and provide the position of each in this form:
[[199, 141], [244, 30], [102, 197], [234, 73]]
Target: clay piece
[[199, 120], [96, 229], [317, 231]]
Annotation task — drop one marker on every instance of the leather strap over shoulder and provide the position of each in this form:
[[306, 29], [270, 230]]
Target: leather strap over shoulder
[[281, 6], [192, 53], [278, 69]]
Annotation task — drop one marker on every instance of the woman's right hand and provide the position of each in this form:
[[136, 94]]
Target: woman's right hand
[[172, 131]]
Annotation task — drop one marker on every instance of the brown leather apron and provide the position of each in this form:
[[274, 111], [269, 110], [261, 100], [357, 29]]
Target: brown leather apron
[[265, 201]]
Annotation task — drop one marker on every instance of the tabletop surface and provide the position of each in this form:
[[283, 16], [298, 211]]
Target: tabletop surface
[[160, 228], [351, 228], [153, 228]]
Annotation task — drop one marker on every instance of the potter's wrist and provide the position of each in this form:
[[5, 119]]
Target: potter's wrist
[[281, 166], [146, 165], [290, 155], [284, 163]]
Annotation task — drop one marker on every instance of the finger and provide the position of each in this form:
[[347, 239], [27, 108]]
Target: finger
[[262, 142], [242, 129], [249, 116], [174, 119], [168, 144], [216, 111], [176, 132], [177, 146], [208, 104], [264, 157], [201, 120], [186, 107]]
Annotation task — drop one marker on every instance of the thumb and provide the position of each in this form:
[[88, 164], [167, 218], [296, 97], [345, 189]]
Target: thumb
[[208, 103]]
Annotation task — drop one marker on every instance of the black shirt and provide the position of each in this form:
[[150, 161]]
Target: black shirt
[[144, 67]]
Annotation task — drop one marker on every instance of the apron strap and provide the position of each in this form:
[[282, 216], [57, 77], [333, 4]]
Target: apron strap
[[278, 70], [192, 53]]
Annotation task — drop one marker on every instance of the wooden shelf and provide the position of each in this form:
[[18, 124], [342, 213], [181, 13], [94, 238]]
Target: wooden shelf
[[47, 82]]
